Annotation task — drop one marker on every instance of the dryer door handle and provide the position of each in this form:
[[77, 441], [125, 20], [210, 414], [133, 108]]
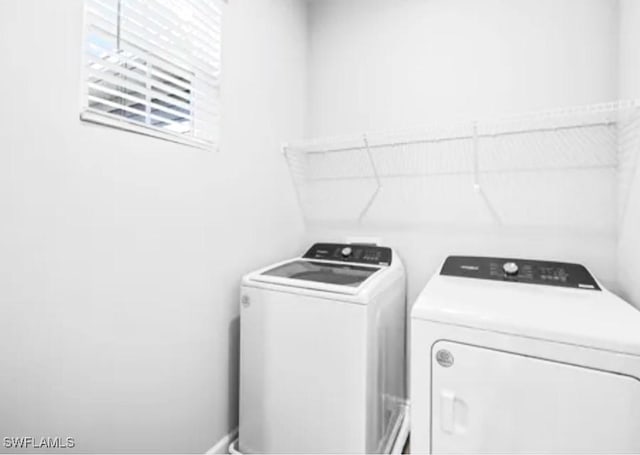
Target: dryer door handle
[[453, 413]]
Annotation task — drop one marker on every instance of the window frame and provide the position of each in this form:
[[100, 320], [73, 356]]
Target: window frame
[[93, 116]]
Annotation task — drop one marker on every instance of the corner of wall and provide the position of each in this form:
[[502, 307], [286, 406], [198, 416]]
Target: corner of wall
[[628, 247]]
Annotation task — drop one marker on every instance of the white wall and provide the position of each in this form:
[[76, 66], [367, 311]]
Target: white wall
[[377, 64], [629, 86], [380, 65], [120, 255]]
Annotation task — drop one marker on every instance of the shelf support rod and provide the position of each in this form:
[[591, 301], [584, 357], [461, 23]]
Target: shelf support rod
[[476, 169], [294, 181], [477, 187], [366, 208]]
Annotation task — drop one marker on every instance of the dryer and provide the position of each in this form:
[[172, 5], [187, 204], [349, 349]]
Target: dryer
[[523, 356], [322, 352]]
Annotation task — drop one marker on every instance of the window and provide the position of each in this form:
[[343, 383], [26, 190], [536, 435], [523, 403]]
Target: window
[[153, 67]]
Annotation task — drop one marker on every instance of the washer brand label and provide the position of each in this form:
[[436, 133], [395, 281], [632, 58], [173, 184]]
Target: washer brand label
[[444, 358], [245, 300]]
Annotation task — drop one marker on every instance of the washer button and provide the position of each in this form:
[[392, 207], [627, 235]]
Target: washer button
[[510, 268]]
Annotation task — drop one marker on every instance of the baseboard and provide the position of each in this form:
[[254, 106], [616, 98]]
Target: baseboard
[[222, 446]]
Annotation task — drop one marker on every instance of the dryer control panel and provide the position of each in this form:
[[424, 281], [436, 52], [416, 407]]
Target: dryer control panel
[[520, 271], [350, 252]]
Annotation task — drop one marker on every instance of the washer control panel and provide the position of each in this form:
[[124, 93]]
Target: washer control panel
[[350, 252], [520, 271]]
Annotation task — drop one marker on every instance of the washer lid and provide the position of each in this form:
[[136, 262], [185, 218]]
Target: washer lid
[[334, 277], [323, 272], [596, 319]]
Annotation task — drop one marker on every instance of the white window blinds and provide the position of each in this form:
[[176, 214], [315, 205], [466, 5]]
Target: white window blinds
[[153, 66]]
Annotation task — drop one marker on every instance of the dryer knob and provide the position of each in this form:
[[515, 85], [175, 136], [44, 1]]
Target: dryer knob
[[346, 252], [510, 268]]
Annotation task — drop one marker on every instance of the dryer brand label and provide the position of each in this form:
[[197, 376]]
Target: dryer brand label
[[444, 358], [246, 301]]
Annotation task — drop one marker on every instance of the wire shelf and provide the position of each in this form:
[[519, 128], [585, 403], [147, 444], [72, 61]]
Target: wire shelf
[[552, 168]]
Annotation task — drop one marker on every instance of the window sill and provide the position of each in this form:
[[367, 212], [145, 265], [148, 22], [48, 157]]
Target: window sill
[[101, 118]]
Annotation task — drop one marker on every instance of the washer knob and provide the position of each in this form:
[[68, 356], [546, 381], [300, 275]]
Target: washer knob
[[510, 268], [346, 252]]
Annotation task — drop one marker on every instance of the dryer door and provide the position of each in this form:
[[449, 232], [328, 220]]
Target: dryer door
[[492, 401]]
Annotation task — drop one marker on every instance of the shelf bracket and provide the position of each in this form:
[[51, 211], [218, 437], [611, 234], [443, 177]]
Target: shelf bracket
[[476, 169], [376, 176], [477, 187], [294, 181]]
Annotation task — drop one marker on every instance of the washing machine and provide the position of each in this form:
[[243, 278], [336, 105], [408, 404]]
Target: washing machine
[[523, 356], [322, 353]]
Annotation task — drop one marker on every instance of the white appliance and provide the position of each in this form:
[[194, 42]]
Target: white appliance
[[322, 364], [521, 356]]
